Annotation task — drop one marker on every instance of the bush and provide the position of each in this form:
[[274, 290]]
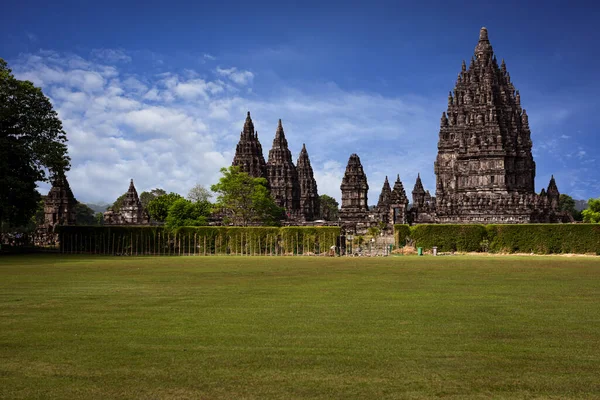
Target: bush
[[401, 232], [449, 237]]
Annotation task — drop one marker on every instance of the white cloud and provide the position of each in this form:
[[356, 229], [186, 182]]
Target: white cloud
[[240, 77]]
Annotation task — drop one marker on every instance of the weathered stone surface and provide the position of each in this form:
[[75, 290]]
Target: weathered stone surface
[[59, 205], [399, 203], [248, 153], [484, 169], [131, 212], [309, 196], [354, 209], [283, 176]]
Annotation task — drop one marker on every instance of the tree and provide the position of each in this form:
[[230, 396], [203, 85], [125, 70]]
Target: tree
[[592, 213], [99, 218], [158, 208], [147, 197], [116, 206], [32, 147], [245, 199], [84, 215], [199, 193], [566, 203], [329, 208], [183, 212]]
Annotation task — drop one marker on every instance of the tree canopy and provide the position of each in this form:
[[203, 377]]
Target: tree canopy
[[199, 194], [592, 213], [146, 197], [183, 212], [32, 147], [329, 208], [158, 208], [245, 200], [566, 203]]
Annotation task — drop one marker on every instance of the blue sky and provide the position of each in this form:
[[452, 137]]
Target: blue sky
[[158, 91]]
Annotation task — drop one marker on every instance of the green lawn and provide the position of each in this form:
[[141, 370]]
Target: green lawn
[[260, 327]]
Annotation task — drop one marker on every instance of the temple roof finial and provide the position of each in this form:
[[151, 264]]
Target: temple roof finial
[[483, 33]]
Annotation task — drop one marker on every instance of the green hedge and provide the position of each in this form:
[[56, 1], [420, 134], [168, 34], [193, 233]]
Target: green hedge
[[545, 238], [449, 237], [521, 238], [148, 240], [401, 232]]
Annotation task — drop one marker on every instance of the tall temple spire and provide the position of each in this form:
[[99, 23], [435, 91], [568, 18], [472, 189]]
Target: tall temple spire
[[483, 50], [248, 153], [385, 197], [59, 205], [282, 174], [309, 197], [354, 188]]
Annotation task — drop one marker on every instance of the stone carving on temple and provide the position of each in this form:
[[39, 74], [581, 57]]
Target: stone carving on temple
[[354, 210], [59, 205]]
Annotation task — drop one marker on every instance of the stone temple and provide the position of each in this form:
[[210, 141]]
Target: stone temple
[[484, 168], [131, 211], [293, 187]]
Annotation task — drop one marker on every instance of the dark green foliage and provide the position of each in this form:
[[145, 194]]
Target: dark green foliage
[[32, 147], [245, 200], [448, 237], [116, 206], [545, 238], [158, 208], [592, 213], [566, 203], [328, 208], [222, 240], [84, 215], [146, 197], [521, 238], [401, 233], [183, 212]]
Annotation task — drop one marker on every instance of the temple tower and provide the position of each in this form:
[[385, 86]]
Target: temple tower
[[282, 175], [399, 203], [418, 193], [385, 197], [131, 212], [309, 197], [354, 188], [59, 205], [248, 153]]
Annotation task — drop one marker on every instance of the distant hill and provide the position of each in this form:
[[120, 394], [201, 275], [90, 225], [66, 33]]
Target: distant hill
[[580, 205], [97, 207]]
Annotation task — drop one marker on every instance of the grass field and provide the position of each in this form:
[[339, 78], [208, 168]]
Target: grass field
[[260, 327]]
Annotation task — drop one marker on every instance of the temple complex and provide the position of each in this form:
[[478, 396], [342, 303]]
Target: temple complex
[[131, 211], [283, 176], [484, 168], [293, 187]]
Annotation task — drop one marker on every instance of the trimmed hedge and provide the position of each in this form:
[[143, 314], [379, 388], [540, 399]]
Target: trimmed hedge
[[545, 238], [449, 237], [401, 232], [152, 240], [518, 238]]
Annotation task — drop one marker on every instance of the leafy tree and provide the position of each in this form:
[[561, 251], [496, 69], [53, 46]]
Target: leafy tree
[[32, 147], [158, 208], [116, 206], [566, 203], [592, 213], [146, 197], [329, 208], [199, 193], [84, 215], [245, 199], [183, 212], [99, 218]]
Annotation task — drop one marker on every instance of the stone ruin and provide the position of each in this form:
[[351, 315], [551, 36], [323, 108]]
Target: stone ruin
[[131, 211], [59, 209]]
